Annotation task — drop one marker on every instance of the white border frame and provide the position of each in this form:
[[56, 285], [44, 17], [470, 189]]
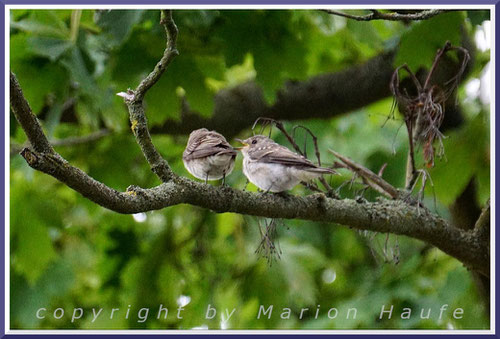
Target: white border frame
[[296, 332]]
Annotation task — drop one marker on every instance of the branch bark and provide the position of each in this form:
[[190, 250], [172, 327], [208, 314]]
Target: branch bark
[[26, 118], [384, 216]]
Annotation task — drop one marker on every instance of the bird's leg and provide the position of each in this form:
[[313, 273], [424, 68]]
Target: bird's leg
[[246, 184], [269, 189], [206, 178], [223, 178], [283, 194]]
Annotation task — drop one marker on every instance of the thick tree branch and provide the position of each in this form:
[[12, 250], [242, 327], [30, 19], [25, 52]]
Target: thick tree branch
[[26, 118], [322, 96], [376, 15], [384, 216]]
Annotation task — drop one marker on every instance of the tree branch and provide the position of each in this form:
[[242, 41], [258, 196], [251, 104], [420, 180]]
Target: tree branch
[[373, 180], [133, 100], [376, 15], [26, 118], [70, 141], [482, 225], [322, 96], [384, 216], [168, 55]]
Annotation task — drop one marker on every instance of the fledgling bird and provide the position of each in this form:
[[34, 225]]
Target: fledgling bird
[[208, 156], [273, 167]]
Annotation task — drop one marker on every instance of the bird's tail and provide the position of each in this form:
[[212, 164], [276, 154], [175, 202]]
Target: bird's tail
[[322, 170], [308, 174]]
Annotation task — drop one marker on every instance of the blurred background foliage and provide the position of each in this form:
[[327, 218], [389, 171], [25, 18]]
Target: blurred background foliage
[[68, 252]]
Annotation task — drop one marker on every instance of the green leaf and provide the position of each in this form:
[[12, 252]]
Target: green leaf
[[477, 17], [17, 14], [75, 64], [54, 282], [43, 23], [465, 150], [483, 181], [117, 24], [51, 48], [299, 261], [50, 79], [186, 74], [365, 32], [34, 250], [420, 43], [274, 40]]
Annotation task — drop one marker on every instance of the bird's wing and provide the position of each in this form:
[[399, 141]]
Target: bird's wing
[[281, 155], [206, 145]]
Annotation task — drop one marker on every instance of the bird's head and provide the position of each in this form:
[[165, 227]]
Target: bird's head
[[252, 143]]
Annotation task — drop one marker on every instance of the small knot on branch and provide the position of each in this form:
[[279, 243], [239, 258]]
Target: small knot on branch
[[30, 157], [134, 190], [321, 199], [173, 51]]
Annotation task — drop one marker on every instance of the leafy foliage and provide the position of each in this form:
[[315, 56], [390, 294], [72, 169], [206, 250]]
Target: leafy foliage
[[427, 37], [68, 252]]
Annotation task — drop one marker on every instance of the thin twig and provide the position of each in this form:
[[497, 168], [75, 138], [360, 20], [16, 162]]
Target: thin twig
[[70, 141], [437, 58], [394, 16], [482, 228], [169, 54], [316, 151], [424, 111], [380, 185], [484, 217], [134, 102]]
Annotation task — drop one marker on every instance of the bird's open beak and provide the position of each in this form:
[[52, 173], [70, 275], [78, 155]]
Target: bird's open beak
[[242, 142]]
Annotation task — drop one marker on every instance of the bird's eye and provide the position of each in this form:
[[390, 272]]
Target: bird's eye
[[254, 142]]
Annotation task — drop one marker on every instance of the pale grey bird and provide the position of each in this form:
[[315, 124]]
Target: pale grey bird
[[208, 156], [273, 167]]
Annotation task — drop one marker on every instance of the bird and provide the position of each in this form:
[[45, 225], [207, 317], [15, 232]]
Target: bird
[[208, 156], [273, 167]]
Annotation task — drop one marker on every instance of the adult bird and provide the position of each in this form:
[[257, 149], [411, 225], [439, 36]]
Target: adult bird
[[208, 156], [273, 167]]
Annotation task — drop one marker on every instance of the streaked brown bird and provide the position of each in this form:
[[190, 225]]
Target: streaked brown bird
[[208, 156], [273, 167]]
